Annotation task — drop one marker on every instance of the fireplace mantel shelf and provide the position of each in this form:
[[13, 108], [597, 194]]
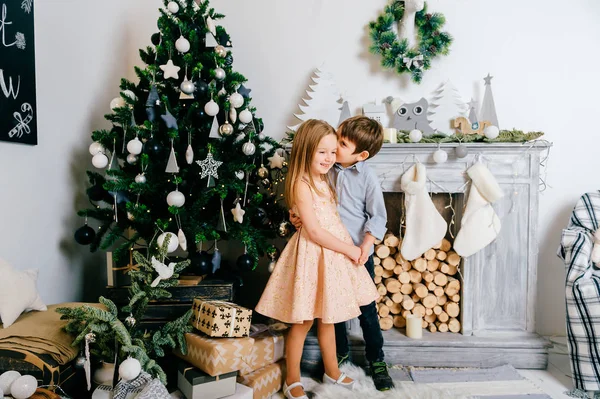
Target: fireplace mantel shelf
[[498, 298]]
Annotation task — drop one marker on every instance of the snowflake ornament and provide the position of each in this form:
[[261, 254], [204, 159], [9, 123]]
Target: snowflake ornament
[[209, 167]]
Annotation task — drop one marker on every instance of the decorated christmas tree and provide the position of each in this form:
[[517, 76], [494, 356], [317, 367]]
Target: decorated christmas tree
[[184, 165]]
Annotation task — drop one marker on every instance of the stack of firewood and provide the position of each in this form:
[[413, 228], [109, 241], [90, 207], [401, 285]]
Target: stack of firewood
[[428, 286]]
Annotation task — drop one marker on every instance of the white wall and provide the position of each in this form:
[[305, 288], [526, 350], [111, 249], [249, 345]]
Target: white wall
[[542, 54]]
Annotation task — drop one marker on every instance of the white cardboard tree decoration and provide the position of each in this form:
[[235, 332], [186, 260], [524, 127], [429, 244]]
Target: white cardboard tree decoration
[[488, 108], [323, 100], [406, 26], [345, 112], [445, 105]]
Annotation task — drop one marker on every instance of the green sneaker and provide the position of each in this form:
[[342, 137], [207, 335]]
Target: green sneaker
[[343, 359], [380, 376]]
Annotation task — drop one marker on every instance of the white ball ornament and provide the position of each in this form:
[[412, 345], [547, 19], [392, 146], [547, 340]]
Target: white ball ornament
[[211, 108], [140, 178], [23, 387], [6, 379], [173, 7], [415, 135], [134, 146], [249, 148], [491, 132], [100, 161], [131, 368], [129, 94], [173, 244], [245, 116], [176, 198], [132, 159], [236, 100], [116, 103], [240, 174], [187, 86], [220, 74], [182, 45], [440, 156], [95, 148]]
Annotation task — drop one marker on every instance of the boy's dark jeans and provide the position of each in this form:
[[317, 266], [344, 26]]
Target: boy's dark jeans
[[369, 322]]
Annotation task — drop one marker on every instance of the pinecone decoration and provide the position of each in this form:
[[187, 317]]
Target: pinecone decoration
[[386, 46], [433, 49]]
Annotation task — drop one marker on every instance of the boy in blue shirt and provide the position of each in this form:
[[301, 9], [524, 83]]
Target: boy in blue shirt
[[362, 209]]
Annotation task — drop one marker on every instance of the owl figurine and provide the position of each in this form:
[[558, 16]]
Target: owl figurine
[[410, 116]]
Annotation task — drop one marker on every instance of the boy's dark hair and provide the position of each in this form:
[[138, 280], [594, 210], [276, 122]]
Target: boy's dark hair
[[366, 134]]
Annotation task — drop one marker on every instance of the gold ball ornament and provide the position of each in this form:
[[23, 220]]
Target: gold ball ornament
[[221, 51], [226, 129], [284, 229], [263, 172]]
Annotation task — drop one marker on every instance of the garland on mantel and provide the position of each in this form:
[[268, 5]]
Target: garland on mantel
[[505, 136]]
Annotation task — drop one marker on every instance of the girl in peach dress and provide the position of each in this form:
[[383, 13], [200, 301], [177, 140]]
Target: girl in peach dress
[[317, 276]]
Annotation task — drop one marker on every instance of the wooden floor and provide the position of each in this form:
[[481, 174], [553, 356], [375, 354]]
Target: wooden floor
[[556, 379]]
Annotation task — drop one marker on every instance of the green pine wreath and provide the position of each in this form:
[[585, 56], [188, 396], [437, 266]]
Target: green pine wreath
[[431, 40]]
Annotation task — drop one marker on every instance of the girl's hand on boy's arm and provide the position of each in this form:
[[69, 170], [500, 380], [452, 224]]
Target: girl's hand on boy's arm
[[365, 248], [295, 220]]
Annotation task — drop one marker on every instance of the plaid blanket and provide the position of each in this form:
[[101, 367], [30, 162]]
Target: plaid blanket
[[583, 292]]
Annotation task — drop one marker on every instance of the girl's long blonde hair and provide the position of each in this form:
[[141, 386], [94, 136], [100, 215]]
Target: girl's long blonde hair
[[306, 140]]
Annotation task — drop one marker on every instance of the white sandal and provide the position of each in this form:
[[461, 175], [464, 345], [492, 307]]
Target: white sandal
[[340, 381], [287, 389]]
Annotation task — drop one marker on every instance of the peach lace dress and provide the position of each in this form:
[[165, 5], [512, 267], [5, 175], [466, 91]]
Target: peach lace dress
[[311, 282]]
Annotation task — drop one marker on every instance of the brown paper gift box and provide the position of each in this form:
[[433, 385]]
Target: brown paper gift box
[[221, 319], [268, 348], [266, 381], [216, 356]]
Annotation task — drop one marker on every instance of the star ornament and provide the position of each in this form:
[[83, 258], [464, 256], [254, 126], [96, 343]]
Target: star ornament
[[488, 79], [170, 70], [276, 161], [238, 213], [209, 167]]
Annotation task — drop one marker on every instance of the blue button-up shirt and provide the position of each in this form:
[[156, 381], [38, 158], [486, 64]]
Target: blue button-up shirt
[[360, 201]]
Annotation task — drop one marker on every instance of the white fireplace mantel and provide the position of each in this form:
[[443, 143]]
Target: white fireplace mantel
[[498, 299]]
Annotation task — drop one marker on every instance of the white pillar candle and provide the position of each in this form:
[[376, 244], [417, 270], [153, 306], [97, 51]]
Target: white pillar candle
[[414, 327], [390, 134]]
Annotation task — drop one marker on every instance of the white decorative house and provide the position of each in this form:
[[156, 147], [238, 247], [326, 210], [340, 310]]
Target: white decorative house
[[374, 111]]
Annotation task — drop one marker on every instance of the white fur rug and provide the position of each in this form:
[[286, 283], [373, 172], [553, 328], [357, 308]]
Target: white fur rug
[[364, 388]]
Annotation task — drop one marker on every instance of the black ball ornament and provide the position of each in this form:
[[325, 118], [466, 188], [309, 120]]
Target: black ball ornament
[[201, 263], [153, 147], [155, 38], [97, 192], [245, 262], [85, 235], [202, 89]]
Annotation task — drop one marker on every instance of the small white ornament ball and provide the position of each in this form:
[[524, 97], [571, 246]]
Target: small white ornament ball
[[176, 198], [440, 156], [130, 368], [173, 7], [245, 116], [6, 379], [415, 135], [132, 159], [187, 86], [130, 216], [140, 178], [220, 74], [100, 160], [134, 146], [461, 151], [23, 387], [211, 108], [173, 244], [95, 148], [491, 132], [240, 174], [249, 148], [130, 94], [182, 45], [236, 99], [116, 103], [261, 137]]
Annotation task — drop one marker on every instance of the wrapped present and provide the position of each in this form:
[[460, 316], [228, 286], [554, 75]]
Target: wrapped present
[[268, 348], [216, 356], [266, 381], [196, 384], [221, 319]]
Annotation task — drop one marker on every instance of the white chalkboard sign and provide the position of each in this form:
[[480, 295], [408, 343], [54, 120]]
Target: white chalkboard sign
[[17, 72]]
